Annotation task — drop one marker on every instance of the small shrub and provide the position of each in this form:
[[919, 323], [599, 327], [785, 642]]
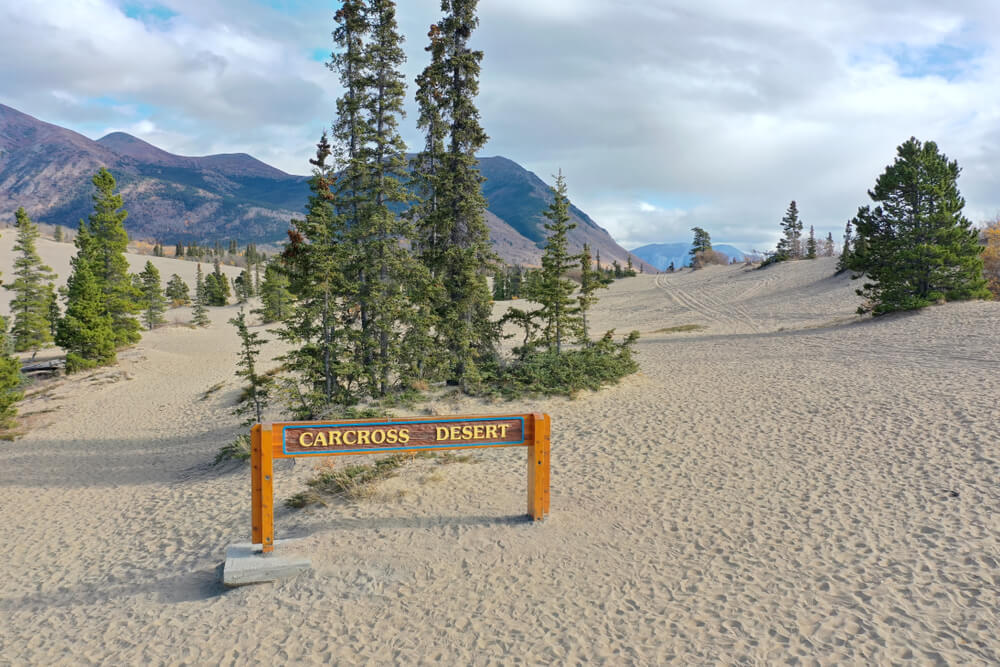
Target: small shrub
[[681, 328], [703, 258], [237, 450], [354, 481]]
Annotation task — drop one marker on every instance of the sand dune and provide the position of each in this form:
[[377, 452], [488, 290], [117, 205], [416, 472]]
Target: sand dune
[[787, 483]]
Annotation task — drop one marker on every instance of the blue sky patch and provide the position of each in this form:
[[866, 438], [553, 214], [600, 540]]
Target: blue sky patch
[[148, 13], [320, 55], [944, 60]]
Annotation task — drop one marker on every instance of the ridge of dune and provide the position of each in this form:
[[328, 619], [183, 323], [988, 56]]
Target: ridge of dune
[[789, 482]]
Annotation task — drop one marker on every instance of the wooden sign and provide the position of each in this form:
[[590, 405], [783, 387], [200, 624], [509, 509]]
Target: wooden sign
[[396, 435]]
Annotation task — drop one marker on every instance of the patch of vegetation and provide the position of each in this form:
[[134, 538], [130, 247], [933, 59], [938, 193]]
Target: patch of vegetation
[[682, 328], [549, 372], [355, 481], [211, 390], [237, 450]]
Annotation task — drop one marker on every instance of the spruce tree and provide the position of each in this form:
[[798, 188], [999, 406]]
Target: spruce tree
[[58, 234], [177, 291], [151, 298], [199, 314], [790, 245], [52, 300], [31, 328], [258, 385], [243, 286], [217, 290], [590, 281], [917, 247], [453, 239], [179, 250], [86, 329], [275, 298], [844, 262], [702, 242], [811, 244], [554, 291], [10, 380], [106, 255]]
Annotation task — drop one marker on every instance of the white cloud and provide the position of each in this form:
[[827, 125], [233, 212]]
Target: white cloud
[[740, 107]]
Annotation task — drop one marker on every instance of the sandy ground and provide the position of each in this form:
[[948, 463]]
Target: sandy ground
[[789, 484]]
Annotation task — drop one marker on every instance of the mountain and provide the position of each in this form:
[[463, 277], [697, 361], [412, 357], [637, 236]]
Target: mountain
[[660, 255], [47, 170]]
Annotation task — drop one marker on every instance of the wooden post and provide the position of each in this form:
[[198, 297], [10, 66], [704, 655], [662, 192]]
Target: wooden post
[[538, 468], [256, 510], [267, 491]]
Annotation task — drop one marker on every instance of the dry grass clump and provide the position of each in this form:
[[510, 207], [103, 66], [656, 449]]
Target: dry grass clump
[[704, 258]]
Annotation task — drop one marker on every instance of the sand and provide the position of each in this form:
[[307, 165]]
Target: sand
[[788, 484]]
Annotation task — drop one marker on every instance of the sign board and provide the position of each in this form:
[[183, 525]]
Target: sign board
[[393, 436]]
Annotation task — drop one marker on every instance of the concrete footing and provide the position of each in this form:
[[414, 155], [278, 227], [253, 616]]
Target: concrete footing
[[247, 564]]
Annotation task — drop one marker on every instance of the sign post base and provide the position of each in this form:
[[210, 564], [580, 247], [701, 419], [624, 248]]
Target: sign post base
[[247, 563]]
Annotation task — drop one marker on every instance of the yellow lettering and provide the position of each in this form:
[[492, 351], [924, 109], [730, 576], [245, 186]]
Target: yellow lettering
[[363, 438], [348, 442], [456, 432], [404, 435], [466, 433], [392, 436], [302, 439], [503, 430], [441, 433], [320, 440], [334, 438], [491, 430], [478, 432]]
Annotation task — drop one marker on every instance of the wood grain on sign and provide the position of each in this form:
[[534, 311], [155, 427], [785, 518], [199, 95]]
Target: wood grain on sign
[[402, 435]]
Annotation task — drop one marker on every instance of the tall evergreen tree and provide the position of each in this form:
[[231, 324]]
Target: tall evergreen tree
[[86, 329], [106, 255], [276, 299], [844, 262], [199, 314], [217, 290], [314, 268], [828, 245], [179, 250], [702, 242], [918, 247], [811, 244], [151, 298], [30, 306], [590, 281], [790, 245], [554, 291], [453, 239], [57, 234], [52, 299]]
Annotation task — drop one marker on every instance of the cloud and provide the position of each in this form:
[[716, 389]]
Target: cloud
[[714, 114]]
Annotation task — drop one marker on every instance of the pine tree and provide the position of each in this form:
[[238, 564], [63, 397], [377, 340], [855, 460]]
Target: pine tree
[[199, 313], [106, 255], [918, 248], [590, 281], [86, 329], [702, 242], [811, 244], [453, 240], [554, 291], [670, 269], [10, 380], [790, 245], [153, 302], [259, 386], [844, 262], [30, 306], [57, 234], [179, 250], [243, 286], [275, 298], [177, 291], [217, 290]]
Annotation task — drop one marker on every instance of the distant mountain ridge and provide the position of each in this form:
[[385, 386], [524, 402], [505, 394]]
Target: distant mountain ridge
[[47, 170], [660, 255]]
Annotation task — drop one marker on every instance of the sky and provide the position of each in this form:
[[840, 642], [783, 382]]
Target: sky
[[661, 115]]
